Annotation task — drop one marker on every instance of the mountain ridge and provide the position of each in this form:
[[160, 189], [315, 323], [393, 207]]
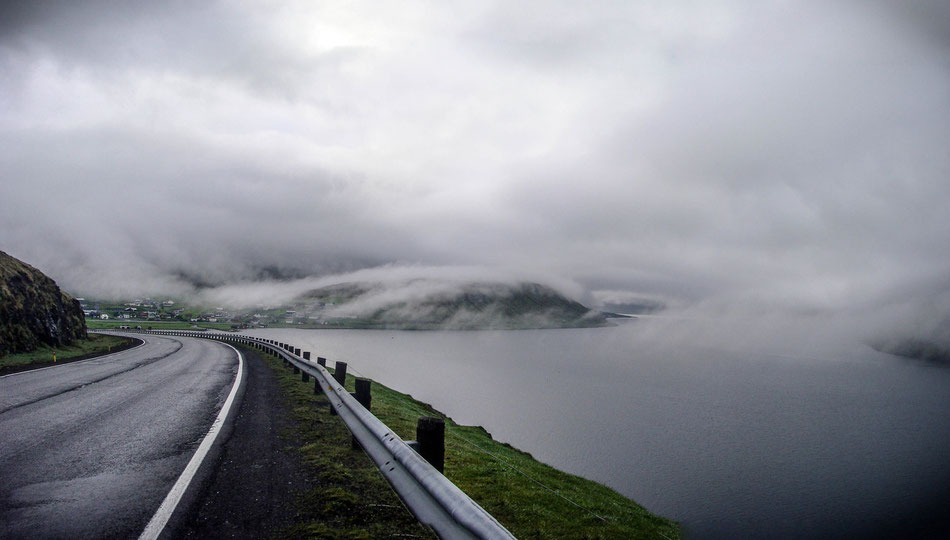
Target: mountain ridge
[[430, 304]]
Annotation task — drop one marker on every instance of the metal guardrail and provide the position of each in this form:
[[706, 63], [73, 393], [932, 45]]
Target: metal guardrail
[[430, 496]]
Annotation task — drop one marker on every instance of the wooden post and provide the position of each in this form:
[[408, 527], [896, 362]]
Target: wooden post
[[297, 351], [340, 373], [322, 361], [362, 394], [306, 356], [430, 434], [303, 376]]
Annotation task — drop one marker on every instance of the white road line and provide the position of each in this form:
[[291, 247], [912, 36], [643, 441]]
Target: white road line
[[165, 511], [67, 363]]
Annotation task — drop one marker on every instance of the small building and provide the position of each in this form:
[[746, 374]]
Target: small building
[[104, 316]]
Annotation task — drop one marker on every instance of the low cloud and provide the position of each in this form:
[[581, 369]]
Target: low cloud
[[389, 284], [783, 157]]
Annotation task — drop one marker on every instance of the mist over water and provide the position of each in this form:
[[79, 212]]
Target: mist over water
[[809, 435]]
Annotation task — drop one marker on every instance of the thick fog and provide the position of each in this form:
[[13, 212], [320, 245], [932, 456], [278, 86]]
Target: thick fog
[[770, 157]]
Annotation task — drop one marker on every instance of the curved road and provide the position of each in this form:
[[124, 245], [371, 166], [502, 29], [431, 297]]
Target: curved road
[[91, 449]]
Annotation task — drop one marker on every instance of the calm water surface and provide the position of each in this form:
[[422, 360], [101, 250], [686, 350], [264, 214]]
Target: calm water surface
[[790, 437]]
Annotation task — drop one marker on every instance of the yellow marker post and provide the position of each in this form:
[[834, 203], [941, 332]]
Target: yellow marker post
[[54, 357]]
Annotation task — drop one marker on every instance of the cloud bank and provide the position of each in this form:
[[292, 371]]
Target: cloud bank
[[783, 155]]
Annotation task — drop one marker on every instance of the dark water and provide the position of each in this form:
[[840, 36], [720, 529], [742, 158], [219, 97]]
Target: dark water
[[782, 433]]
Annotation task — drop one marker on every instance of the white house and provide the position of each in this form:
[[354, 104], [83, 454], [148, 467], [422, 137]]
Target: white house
[[104, 316]]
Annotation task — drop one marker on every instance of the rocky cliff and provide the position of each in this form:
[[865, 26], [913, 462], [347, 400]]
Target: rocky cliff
[[33, 310]]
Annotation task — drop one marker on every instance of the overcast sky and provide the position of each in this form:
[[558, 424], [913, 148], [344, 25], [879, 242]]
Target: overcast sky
[[788, 155]]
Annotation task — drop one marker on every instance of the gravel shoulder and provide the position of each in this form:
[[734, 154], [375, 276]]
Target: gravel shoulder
[[288, 470], [253, 491]]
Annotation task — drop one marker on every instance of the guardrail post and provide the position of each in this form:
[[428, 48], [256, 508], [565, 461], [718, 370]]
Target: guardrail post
[[306, 355], [340, 373], [430, 434], [296, 351], [322, 361], [362, 394], [364, 398]]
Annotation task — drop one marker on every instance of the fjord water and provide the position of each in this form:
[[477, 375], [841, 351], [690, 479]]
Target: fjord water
[[785, 433]]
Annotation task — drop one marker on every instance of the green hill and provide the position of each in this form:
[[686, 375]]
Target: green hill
[[425, 304], [34, 311]]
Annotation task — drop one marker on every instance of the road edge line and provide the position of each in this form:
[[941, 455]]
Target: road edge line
[[164, 513]]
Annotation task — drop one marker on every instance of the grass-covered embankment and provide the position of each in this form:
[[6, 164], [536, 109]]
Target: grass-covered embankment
[[94, 345], [351, 498], [531, 499]]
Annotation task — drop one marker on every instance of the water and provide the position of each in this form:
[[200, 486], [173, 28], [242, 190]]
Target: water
[[757, 434]]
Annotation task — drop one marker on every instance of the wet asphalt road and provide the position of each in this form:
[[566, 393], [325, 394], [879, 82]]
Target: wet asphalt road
[[90, 449]]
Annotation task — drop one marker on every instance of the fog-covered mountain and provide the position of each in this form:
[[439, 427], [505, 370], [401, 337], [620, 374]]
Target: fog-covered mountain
[[423, 304]]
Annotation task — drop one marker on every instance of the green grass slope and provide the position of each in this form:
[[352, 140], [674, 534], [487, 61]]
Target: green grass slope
[[530, 498]]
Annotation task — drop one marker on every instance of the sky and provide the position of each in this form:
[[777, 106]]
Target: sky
[[780, 156]]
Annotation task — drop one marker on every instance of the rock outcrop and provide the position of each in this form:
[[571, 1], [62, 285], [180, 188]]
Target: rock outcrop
[[34, 311]]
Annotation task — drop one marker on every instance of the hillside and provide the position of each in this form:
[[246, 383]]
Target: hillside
[[921, 349], [929, 342], [33, 310], [424, 304]]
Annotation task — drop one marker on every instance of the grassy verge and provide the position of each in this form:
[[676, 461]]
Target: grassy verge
[[93, 324], [531, 499], [95, 344], [352, 499]]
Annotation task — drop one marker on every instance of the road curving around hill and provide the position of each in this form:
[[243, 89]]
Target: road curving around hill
[[93, 448]]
